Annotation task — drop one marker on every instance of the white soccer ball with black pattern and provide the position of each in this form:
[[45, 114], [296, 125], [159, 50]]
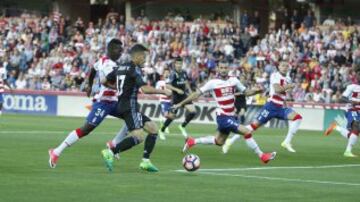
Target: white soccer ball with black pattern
[[191, 162]]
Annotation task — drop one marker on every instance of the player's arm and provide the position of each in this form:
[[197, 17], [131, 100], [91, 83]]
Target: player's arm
[[253, 91], [282, 89], [149, 89], [90, 81], [109, 80], [193, 96]]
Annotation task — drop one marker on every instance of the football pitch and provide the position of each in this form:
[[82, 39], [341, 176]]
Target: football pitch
[[317, 172]]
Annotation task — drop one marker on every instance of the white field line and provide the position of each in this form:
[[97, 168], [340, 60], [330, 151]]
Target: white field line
[[277, 168], [216, 172], [281, 179], [63, 132]]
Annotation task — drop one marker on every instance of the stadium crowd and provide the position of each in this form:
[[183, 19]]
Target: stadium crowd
[[54, 53]]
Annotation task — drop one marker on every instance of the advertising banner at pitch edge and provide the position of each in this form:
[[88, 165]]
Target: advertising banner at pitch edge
[[30, 104]]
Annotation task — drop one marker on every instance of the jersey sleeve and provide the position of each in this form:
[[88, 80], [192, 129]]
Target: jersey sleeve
[[138, 77], [207, 87], [239, 86], [348, 91], [108, 67]]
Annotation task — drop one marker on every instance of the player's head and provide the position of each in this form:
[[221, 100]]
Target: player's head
[[283, 67], [138, 54], [178, 64], [114, 49], [223, 69]]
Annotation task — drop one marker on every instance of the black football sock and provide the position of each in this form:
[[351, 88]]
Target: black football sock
[[188, 118], [126, 144], [149, 145], [166, 124]]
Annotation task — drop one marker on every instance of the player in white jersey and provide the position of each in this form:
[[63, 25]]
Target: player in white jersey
[[105, 103], [352, 114], [165, 102], [223, 90], [3, 82], [276, 107]]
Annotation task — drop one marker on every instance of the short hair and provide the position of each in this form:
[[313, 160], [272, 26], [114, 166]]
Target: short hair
[[137, 48], [178, 59], [114, 42]]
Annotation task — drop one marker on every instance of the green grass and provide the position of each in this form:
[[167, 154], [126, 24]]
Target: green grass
[[81, 175]]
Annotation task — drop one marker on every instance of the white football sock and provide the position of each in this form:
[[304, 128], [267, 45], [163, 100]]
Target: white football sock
[[205, 140], [293, 127], [343, 131], [251, 143], [69, 140], [0, 112], [233, 139], [351, 142], [120, 135]]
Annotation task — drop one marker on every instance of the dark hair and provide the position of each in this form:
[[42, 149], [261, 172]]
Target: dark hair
[[137, 48], [113, 43]]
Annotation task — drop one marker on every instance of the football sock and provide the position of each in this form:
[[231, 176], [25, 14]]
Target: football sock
[[293, 127], [149, 145], [343, 131], [234, 138], [188, 118], [205, 140], [69, 140], [351, 142], [120, 135], [251, 143], [166, 124], [126, 144]]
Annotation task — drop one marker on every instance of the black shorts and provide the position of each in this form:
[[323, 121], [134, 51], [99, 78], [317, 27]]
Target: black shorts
[[240, 103], [135, 120]]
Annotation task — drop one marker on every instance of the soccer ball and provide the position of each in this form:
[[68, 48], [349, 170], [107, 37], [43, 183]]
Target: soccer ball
[[191, 162]]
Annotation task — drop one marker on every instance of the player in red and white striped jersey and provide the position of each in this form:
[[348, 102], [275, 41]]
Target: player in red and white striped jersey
[[105, 102], [223, 91], [352, 129], [165, 102], [3, 82], [280, 84]]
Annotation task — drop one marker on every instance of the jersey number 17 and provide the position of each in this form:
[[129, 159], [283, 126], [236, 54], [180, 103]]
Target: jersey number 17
[[120, 80]]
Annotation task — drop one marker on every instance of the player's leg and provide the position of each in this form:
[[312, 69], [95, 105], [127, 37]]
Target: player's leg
[[263, 116], [353, 135], [151, 128], [340, 125], [169, 117], [96, 116], [191, 113], [294, 124], [251, 143], [118, 138], [1, 103]]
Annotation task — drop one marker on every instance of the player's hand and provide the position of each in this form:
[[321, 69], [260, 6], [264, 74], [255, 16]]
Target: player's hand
[[291, 86], [258, 89], [180, 92]]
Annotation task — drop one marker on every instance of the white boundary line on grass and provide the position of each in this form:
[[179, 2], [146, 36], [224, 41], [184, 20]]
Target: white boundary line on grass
[[278, 168], [282, 179], [214, 172]]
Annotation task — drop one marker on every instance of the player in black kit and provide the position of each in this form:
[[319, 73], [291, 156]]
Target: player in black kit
[[127, 79], [178, 83]]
